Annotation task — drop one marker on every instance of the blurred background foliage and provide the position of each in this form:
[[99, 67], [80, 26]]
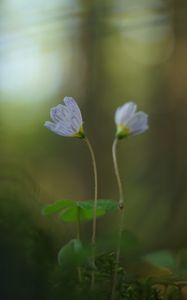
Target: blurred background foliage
[[103, 53]]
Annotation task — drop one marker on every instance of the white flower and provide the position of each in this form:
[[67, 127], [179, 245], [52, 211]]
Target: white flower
[[67, 119], [129, 121]]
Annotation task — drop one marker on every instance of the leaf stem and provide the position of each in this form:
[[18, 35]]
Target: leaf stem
[[93, 239], [78, 238], [121, 218], [78, 223]]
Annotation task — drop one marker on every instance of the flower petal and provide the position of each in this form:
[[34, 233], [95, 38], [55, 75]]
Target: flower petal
[[75, 123], [141, 130], [64, 130], [67, 119], [59, 128], [138, 123], [125, 113], [73, 107], [50, 125], [60, 113]]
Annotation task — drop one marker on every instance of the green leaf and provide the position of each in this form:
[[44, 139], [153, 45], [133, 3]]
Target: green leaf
[[70, 210], [72, 254], [69, 215], [57, 207], [163, 258], [107, 205], [86, 204], [85, 214], [181, 260]]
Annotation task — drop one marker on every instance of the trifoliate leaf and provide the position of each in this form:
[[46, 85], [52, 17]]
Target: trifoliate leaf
[[83, 214], [71, 211], [57, 207]]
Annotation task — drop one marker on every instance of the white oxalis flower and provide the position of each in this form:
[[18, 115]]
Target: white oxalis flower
[[67, 119], [129, 121]]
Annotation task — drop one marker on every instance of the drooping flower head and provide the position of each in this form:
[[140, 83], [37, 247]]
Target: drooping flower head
[[130, 122], [67, 119]]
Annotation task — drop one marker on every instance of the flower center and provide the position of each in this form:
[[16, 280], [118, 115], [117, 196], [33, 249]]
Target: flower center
[[80, 133], [122, 131]]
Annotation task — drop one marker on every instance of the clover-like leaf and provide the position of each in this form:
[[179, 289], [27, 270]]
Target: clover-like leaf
[[107, 205], [164, 259], [88, 213], [72, 214], [71, 211], [57, 207], [181, 260], [104, 204], [72, 254]]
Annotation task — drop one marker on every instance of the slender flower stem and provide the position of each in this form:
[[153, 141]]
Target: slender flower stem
[[116, 169], [121, 218], [78, 238], [94, 209]]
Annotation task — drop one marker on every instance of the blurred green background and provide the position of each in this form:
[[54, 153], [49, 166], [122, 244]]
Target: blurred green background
[[102, 53]]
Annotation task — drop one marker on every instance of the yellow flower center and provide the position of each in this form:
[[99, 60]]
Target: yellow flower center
[[122, 131], [80, 134]]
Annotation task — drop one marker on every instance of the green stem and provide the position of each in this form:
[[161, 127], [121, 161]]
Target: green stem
[[116, 169], [93, 239], [121, 218], [78, 238]]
